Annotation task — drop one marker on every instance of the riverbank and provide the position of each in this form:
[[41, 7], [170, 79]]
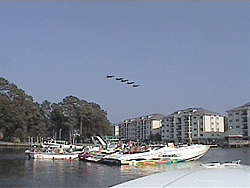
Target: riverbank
[[11, 144]]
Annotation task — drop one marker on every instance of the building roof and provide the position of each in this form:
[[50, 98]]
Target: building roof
[[244, 106], [200, 111], [231, 133]]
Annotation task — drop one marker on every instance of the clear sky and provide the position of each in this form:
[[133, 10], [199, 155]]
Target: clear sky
[[182, 54]]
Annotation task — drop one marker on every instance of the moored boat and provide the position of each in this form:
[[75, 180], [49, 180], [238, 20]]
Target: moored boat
[[51, 154], [163, 153], [55, 156], [96, 157], [60, 143]]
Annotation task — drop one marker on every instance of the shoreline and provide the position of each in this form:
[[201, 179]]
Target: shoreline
[[11, 144]]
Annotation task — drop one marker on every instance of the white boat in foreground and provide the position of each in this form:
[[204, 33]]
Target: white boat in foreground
[[164, 153], [206, 175]]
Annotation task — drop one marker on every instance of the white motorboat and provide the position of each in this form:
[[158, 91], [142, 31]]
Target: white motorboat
[[95, 157], [60, 143], [163, 153], [207, 175], [50, 155]]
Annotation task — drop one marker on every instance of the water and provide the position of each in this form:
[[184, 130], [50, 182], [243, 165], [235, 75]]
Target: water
[[17, 171]]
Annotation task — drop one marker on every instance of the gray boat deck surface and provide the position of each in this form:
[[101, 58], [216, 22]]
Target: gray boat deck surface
[[212, 175]]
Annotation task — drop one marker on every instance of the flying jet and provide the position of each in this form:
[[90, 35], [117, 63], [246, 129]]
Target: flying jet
[[124, 80], [110, 76], [119, 78], [136, 85], [130, 82]]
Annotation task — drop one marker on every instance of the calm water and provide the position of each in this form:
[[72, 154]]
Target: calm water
[[17, 171]]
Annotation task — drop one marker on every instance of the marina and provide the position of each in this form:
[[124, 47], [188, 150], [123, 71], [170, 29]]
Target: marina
[[17, 171]]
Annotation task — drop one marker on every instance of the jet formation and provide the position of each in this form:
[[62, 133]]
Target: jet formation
[[123, 80]]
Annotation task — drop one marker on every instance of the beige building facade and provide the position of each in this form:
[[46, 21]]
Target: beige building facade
[[239, 119], [192, 125]]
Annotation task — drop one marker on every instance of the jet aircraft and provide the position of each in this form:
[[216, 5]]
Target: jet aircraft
[[130, 82], [110, 76], [119, 78], [123, 80], [136, 85]]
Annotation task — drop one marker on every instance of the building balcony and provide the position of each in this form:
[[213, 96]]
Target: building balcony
[[244, 113], [244, 127], [244, 120], [245, 133], [178, 127]]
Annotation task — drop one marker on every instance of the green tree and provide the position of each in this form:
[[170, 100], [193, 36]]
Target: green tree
[[79, 117], [20, 116]]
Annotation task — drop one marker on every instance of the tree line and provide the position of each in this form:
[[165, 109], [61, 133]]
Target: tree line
[[22, 118]]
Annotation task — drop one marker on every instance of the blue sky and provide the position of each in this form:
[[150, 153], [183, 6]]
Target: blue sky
[[183, 54]]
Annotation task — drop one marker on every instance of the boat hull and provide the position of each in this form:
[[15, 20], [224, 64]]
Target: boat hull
[[53, 156], [168, 154]]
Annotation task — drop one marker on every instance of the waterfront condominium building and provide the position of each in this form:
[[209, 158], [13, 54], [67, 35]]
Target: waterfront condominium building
[[192, 125], [239, 120], [140, 129]]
